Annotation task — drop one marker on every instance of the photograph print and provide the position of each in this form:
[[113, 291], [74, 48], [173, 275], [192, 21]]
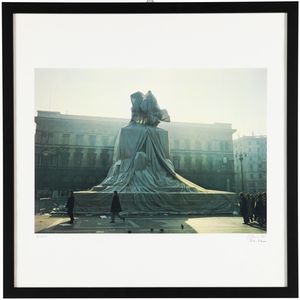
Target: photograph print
[[154, 151]]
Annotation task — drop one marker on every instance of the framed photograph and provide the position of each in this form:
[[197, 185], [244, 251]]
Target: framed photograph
[[150, 149]]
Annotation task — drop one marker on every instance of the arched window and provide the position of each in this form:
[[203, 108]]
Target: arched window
[[91, 158], [104, 158], [64, 158], [92, 140], [198, 163], [187, 162], [78, 155], [79, 139]]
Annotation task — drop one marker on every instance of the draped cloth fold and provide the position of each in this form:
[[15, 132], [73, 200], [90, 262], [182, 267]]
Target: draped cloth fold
[[142, 164]]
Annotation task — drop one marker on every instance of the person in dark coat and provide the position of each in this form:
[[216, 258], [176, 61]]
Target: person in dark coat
[[70, 207], [244, 208], [249, 207], [260, 209], [115, 208], [264, 210], [255, 207], [253, 197]]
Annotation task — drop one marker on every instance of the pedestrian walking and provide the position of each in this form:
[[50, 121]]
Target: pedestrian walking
[[70, 207], [115, 208], [244, 208]]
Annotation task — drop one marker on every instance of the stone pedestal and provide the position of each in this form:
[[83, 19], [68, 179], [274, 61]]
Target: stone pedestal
[[172, 203]]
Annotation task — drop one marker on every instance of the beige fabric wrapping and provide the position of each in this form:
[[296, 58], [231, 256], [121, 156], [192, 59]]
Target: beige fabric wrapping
[[146, 180]]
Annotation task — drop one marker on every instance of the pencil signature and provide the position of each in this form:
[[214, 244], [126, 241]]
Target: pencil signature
[[257, 239]]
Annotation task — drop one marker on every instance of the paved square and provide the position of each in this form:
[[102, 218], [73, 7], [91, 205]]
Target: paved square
[[145, 224]]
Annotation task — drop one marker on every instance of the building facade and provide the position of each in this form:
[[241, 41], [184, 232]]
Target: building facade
[[76, 152], [203, 153], [250, 154]]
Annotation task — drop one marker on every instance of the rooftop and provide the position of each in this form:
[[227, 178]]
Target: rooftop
[[58, 115]]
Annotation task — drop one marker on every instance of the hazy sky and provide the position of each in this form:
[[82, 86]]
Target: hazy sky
[[236, 96]]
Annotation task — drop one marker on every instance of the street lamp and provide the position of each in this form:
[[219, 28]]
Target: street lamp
[[241, 157]]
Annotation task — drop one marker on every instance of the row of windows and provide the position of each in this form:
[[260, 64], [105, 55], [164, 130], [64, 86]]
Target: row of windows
[[250, 148], [199, 163], [64, 159], [258, 176], [252, 176], [259, 157], [258, 150], [253, 184], [251, 167], [256, 142], [247, 158], [260, 166], [252, 143], [209, 146], [43, 137]]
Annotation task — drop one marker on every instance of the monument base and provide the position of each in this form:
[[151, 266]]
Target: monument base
[[148, 203]]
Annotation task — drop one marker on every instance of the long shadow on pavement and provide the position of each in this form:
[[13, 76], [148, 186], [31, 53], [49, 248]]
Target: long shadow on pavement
[[93, 224]]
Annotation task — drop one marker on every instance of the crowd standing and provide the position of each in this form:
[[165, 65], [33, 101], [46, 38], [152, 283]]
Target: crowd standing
[[253, 208]]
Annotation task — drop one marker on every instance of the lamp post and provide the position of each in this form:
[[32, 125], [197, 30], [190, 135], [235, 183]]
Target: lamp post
[[241, 157]]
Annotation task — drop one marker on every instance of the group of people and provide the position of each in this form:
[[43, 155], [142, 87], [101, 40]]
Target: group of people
[[253, 207], [115, 208]]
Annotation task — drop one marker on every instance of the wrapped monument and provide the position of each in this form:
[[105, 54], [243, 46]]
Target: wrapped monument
[[144, 175]]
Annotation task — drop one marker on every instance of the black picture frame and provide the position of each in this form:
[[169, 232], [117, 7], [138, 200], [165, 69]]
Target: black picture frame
[[8, 11]]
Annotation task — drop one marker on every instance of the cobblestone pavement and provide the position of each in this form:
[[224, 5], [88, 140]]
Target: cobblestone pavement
[[145, 224]]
